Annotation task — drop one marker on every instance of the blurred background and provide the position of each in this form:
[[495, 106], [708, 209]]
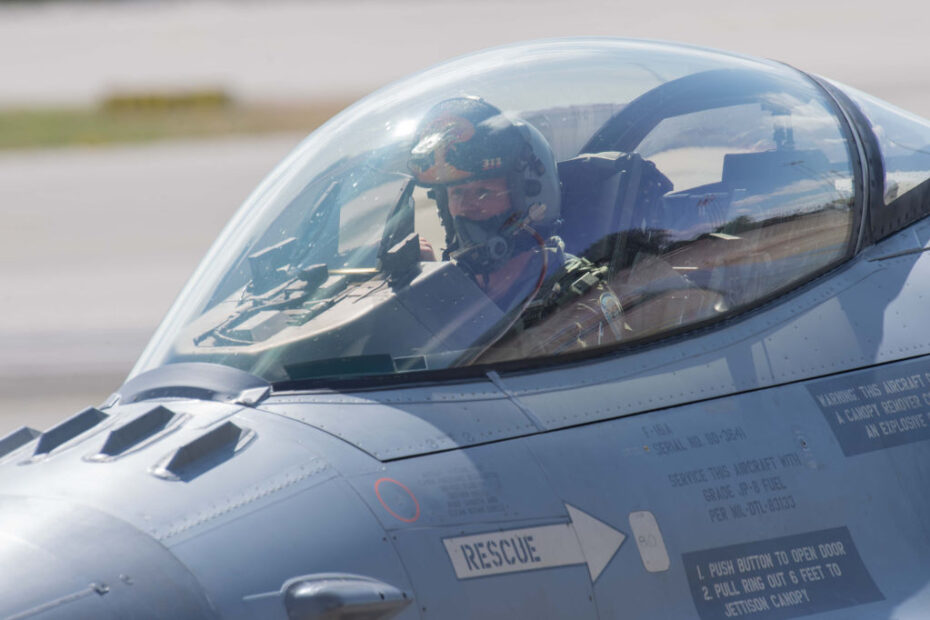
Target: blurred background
[[131, 131]]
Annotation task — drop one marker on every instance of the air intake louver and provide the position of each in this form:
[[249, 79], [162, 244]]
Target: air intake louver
[[17, 439], [135, 432], [204, 452], [69, 429]]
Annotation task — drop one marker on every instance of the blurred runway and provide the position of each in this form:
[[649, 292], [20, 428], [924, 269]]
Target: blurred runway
[[75, 51], [96, 242]]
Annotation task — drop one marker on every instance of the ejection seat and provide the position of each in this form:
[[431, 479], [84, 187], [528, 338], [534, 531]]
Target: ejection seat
[[613, 214], [606, 197]]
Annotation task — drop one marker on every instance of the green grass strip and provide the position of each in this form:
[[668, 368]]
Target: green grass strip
[[121, 123]]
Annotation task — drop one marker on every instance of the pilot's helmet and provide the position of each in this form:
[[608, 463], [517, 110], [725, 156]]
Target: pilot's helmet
[[464, 142]]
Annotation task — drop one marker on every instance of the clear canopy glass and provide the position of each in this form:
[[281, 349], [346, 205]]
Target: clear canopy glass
[[904, 141], [634, 189]]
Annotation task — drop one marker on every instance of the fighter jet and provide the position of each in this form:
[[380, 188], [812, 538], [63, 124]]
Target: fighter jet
[[585, 328]]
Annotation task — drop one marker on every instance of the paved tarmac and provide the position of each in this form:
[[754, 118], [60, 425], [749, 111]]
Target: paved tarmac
[[96, 242]]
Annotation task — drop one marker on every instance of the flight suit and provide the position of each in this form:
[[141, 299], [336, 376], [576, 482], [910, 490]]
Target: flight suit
[[575, 309]]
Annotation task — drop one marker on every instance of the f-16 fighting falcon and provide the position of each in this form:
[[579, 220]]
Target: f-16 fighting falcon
[[586, 328]]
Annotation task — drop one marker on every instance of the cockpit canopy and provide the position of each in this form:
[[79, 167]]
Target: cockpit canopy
[[692, 184]]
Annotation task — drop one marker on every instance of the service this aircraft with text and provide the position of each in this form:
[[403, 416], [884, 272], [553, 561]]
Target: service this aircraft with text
[[566, 329]]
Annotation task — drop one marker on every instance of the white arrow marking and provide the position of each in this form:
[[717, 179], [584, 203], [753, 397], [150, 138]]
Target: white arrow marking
[[584, 540]]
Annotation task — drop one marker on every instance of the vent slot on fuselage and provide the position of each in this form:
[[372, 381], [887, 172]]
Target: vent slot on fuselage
[[137, 431], [69, 429], [204, 453], [17, 439]]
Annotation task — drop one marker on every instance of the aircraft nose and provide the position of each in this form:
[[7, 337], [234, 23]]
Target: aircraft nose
[[62, 560]]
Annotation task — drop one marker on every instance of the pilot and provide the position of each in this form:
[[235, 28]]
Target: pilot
[[496, 185], [498, 193]]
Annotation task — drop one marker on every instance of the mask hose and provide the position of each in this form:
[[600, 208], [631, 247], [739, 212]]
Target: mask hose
[[529, 299]]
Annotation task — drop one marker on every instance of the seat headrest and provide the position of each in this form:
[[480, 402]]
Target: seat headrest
[[770, 169]]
